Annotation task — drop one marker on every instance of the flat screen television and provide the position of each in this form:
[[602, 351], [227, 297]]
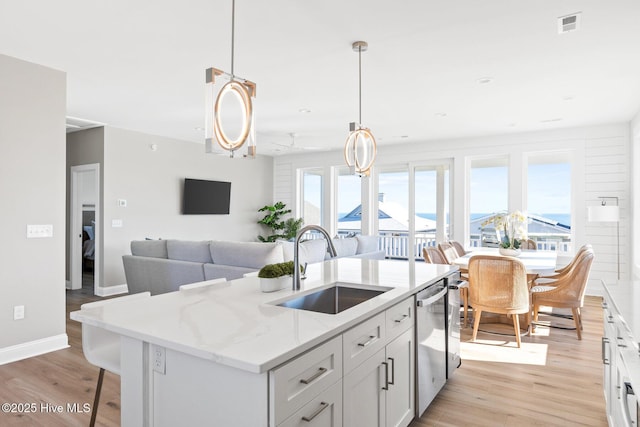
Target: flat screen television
[[203, 197]]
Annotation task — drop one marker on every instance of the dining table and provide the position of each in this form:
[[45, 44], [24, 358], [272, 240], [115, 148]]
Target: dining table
[[535, 262]]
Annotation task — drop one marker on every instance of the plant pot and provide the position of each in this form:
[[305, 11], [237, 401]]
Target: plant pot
[[275, 284], [509, 251]]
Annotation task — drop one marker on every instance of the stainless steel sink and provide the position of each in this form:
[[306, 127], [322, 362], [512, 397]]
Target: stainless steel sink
[[334, 299]]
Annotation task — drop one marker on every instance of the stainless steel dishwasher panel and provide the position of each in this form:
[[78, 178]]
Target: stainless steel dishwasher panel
[[431, 343], [453, 324]]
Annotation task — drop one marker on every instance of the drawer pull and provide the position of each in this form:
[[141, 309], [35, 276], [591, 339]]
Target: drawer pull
[[402, 319], [605, 341], [393, 371], [313, 377], [371, 339], [323, 406]]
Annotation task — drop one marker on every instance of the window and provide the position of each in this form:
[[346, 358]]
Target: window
[[393, 212], [489, 193], [349, 202], [311, 207], [549, 200], [431, 206]]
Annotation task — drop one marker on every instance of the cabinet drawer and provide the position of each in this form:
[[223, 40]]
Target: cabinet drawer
[[399, 318], [294, 384], [362, 341], [323, 411]]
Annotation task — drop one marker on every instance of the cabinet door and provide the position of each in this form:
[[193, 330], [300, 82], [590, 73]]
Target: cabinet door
[[609, 358], [400, 396], [363, 394]]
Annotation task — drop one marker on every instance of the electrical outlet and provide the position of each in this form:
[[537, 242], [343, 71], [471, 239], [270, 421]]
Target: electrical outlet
[[18, 312], [159, 361]]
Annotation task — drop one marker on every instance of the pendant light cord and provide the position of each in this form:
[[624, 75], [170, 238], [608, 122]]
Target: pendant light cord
[[233, 28], [359, 85]]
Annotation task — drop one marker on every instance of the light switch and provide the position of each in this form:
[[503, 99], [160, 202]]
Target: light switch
[[39, 231], [116, 223], [122, 203]]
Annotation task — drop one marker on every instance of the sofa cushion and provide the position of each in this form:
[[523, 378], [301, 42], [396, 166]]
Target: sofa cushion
[[184, 250], [149, 248], [345, 247], [367, 244], [312, 251], [246, 254], [159, 275]]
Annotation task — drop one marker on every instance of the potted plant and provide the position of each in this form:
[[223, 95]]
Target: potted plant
[[281, 229], [512, 226], [274, 277]]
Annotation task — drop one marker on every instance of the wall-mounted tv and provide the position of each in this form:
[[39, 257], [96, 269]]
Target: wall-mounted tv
[[203, 197]]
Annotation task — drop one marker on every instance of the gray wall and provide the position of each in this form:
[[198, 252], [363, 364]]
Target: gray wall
[[32, 190], [151, 182], [83, 148]]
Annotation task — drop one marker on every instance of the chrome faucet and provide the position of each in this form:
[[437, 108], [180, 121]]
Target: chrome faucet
[[296, 248]]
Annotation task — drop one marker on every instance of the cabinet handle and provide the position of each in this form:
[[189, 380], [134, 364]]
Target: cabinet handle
[[605, 341], [386, 376], [621, 342], [323, 406], [371, 339], [313, 377], [393, 370], [402, 319], [604, 305], [609, 319]]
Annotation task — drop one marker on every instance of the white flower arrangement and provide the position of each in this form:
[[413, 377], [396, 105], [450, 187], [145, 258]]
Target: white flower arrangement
[[513, 225]]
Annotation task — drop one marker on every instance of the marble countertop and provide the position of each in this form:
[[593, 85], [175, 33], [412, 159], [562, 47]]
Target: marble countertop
[[236, 324], [625, 296]]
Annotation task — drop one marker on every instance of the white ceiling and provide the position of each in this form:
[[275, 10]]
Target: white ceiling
[[140, 64]]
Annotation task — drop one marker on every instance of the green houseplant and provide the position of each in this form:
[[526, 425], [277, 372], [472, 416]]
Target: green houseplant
[[274, 277], [280, 229]]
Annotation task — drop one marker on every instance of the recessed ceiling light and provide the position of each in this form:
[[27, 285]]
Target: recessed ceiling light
[[199, 129], [304, 110], [404, 136], [441, 114], [485, 80], [568, 98], [556, 119], [512, 125]]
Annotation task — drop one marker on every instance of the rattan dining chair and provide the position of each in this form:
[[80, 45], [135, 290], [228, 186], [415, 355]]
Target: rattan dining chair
[[567, 291], [549, 279], [458, 247], [432, 255], [498, 284], [528, 244]]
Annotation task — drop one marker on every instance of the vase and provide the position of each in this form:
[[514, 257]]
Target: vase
[[509, 251], [275, 284]]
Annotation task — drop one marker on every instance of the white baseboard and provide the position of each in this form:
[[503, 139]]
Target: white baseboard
[[107, 291], [33, 348]]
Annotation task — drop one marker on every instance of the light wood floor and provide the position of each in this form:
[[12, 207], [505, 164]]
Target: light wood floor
[[553, 380]]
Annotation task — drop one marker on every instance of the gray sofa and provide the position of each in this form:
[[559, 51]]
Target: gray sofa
[[160, 266]]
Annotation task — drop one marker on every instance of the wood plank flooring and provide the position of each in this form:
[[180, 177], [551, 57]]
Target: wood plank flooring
[[553, 380]]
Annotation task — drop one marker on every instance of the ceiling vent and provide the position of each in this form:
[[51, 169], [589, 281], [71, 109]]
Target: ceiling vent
[[74, 124], [569, 23]]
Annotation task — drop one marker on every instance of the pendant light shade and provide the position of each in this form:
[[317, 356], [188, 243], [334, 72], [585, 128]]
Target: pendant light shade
[[229, 120], [360, 148]]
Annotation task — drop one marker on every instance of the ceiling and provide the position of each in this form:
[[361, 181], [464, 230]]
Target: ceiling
[[140, 64]]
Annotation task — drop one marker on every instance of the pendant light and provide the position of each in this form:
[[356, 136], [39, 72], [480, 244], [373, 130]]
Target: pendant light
[[240, 91], [360, 147]]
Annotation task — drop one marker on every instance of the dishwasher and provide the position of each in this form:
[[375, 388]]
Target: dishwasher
[[431, 343]]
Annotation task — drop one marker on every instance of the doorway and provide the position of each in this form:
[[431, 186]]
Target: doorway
[[85, 230]]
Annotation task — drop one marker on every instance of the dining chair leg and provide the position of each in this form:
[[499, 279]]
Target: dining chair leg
[[577, 321], [476, 322], [96, 400], [464, 293], [516, 327]]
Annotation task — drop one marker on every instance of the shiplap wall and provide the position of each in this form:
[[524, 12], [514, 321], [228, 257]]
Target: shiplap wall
[[601, 167]]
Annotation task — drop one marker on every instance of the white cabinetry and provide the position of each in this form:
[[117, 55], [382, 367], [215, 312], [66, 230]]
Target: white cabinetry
[[621, 361], [380, 391], [364, 377]]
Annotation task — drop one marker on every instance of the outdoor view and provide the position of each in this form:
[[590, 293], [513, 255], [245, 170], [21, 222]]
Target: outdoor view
[[548, 184]]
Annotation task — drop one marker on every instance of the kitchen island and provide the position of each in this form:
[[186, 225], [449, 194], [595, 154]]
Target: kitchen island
[[219, 355]]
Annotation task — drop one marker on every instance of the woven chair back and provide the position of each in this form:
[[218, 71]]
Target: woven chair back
[[448, 251], [570, 289], [498, 284], [433, 256], [458, 247]]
